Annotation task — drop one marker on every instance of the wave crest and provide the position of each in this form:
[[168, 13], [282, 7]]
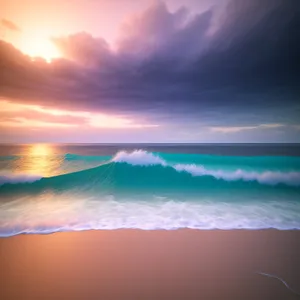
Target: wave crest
[[267, 177], [139, 157], [144, 158], [155, 169]]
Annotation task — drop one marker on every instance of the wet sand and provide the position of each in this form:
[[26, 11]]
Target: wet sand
[[142, 265]]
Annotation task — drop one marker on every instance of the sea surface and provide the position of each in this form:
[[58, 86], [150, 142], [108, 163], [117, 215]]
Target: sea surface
[[70, 187]]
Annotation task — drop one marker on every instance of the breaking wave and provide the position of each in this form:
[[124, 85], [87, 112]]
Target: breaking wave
[[146, 190]]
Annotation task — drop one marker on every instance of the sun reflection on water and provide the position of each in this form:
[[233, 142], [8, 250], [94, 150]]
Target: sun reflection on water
[[39, 159], [40, 150]]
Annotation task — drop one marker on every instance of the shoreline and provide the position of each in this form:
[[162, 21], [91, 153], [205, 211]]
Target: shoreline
[[153, 230], [156, 264]]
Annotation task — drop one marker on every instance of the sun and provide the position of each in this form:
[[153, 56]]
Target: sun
[[42, 48]]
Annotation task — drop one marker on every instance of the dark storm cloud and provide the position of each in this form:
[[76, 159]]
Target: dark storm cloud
[[256, 48], [10, 25], [241, 66]]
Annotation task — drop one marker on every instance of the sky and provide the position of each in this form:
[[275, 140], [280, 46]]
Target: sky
[[151, 71]]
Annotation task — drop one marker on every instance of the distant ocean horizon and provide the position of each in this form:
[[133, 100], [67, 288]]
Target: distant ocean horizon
[[46, 188]]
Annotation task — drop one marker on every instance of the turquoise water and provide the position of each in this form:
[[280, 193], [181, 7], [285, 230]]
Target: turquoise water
[[45, 190]]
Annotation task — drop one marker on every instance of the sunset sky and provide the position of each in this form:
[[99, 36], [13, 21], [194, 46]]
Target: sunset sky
[[149, 71]]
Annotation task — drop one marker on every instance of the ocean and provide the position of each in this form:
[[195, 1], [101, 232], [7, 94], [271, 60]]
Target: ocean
[[71, 187]]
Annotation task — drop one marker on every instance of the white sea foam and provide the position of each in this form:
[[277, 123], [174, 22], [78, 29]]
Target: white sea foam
[[144, 158], [139, 157], [51, 213], [266, 177], [18, 178]]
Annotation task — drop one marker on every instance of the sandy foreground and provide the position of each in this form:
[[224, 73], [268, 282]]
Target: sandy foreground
[[136, 264]]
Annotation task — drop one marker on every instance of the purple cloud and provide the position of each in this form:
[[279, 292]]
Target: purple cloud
[[172, 65]]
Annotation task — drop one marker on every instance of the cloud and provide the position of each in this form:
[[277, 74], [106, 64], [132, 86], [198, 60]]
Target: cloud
[[21, 122], [232, 129], [172, 67], [297, 127], [28, 115], [271, 126], [235, 129], [10, 25], [160, 33], [83, 48]]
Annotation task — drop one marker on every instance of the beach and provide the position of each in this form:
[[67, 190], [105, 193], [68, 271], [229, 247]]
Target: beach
[[157, 264]]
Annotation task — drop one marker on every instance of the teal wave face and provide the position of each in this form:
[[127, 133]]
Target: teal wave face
[[257, 163], [142, 171], [74, 157], [279, 163]]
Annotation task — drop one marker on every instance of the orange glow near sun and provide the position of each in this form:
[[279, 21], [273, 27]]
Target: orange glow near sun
[[85, 118], [40, 47]]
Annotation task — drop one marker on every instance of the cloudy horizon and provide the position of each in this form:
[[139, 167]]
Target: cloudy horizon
[[150, 71]]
